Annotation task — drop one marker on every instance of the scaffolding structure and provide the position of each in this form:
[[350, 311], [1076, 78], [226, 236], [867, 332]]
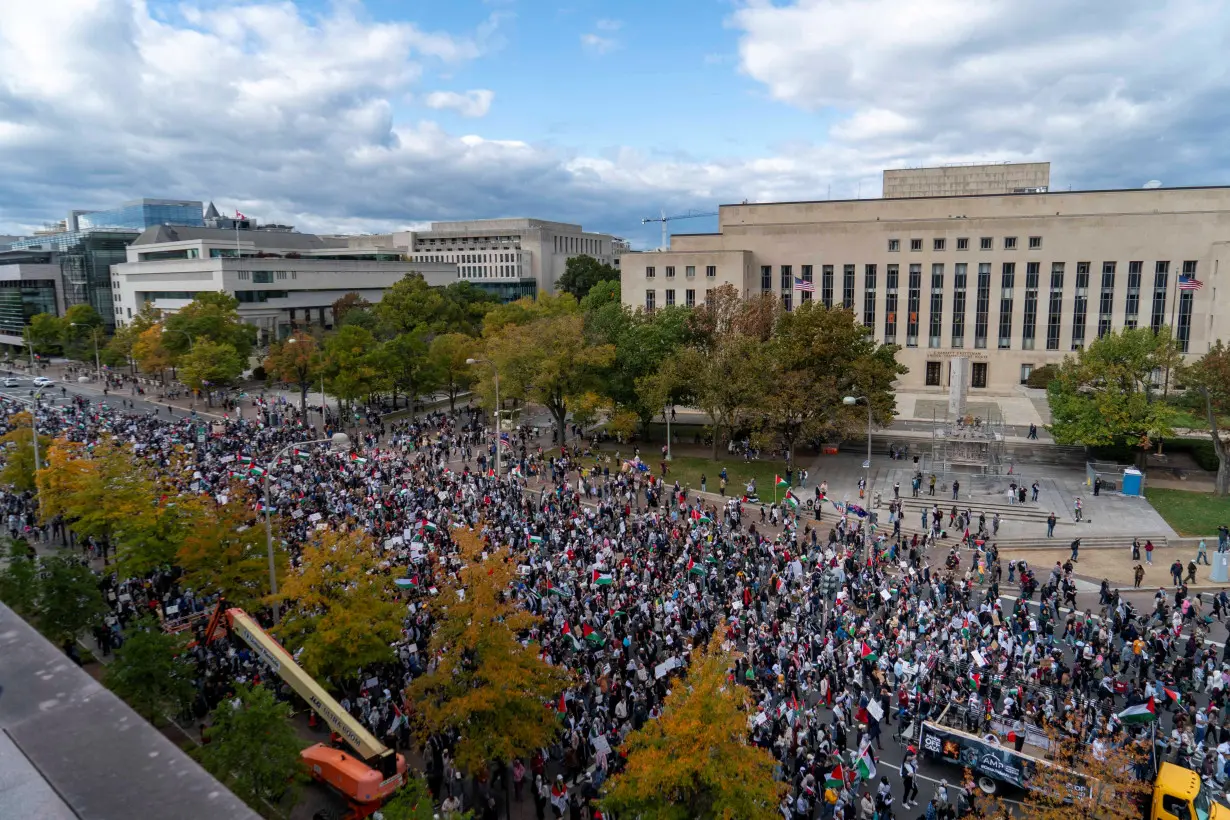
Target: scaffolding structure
[[975, 445]]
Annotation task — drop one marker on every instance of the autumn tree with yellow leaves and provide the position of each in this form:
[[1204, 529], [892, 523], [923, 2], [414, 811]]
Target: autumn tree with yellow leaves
[[225, 551], [18, 448], [695, 761], [486, 684], [342, 610]]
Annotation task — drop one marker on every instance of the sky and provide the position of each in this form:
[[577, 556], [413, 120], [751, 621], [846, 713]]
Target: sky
[[360, 116]]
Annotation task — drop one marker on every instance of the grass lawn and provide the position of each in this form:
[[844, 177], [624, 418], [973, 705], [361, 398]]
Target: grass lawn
[[1190, 513], [687, 470]]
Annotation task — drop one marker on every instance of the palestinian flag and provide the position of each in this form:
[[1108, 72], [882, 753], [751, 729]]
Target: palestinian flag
[[693, 569], [1173, 694], [302, 454], [1140, 713], [491, 474], [778, 481], [705, 518], [563, 704], [408, 583], [430, 527], [791, 500], [245, 459], [603, 579], [516, 470], [567, 630], [867, 653], [560, 593], [865, 766], [975, 680], [257, 471], [535, 539], [357, 459], [596, 638], [836, 778]]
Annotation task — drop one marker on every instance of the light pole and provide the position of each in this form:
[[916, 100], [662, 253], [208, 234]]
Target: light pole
[[94, 337], [340, 443], [496, 372], [34, 429], [666, 414], [25, 332], [851, 401]]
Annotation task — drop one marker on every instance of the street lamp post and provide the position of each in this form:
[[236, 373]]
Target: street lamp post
[[496, 372], [34, 429], [340, 443], [25, 332], [94, 337], [851, 401]]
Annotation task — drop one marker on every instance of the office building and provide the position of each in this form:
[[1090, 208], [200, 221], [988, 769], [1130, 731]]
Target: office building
[[283, 279], [30, 284], [1008, 281], [512, 257]]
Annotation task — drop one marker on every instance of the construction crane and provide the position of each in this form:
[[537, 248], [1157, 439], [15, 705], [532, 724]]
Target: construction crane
[[664, 219], [366, 778]]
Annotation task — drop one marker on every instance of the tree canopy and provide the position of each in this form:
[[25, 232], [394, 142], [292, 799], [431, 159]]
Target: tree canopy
[[695, 761], [1108, 392], [581, 273], [1210, 378], [297, 360]]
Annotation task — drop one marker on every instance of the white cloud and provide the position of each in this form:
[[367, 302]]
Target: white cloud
[[470, 104], [597, 44], [1086, 84]]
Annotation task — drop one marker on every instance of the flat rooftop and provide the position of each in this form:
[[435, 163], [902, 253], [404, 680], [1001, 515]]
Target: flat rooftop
[[71, 749]]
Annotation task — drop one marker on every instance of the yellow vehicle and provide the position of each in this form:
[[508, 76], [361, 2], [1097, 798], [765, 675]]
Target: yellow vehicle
[[1179, 794]]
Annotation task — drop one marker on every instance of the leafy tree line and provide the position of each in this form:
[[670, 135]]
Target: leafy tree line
[[1114, 391]]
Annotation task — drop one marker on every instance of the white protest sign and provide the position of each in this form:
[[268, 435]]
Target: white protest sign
[[314, 517], [296, 514], [601, 746], [875, 709]]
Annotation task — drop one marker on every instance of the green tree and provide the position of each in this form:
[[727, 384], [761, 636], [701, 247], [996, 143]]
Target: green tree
[[347, 303], [410, 304], [413, 802], [468, 306], [550, 362], [726, 381], [581, 273], [69, 599], [45, 333], [79, 327], [642, 342], [1210, 378], [211, 315], [447, 357], [18, 444], [148, 673], [19, 582], [404, 362], [210, 364], [253, 748], [1108, 391], [486, 685], [606, 292], [297, 360], [695, 761], [349, 365], [816, 357]]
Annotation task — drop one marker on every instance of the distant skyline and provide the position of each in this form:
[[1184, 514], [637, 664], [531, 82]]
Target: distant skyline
[[349, 116]]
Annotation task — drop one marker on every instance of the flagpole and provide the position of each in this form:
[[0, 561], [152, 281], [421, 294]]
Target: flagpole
[[1174, 304]]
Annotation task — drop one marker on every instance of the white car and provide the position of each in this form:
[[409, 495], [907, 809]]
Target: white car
[[42, 381], [11, 382]]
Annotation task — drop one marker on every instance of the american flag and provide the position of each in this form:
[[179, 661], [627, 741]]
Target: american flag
[[804, 285], [1189, 283]]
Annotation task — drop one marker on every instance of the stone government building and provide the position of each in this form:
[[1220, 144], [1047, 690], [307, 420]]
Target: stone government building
[[977, 262]]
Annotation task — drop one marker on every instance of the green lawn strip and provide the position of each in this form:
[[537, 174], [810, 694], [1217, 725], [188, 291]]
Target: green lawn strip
[[1190, 513]]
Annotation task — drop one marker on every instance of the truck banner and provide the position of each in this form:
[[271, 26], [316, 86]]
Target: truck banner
[[999, 762]]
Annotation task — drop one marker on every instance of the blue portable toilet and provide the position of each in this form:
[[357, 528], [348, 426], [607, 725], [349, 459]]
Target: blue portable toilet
[[1133, 481]]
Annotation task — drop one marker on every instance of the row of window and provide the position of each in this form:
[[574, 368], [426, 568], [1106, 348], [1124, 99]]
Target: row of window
[[577, 244], [689, 298], [689, 271], [265, 277], [1053, 300], [985, 243]]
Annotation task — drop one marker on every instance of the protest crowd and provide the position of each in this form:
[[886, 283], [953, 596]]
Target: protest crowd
[[843, 632]]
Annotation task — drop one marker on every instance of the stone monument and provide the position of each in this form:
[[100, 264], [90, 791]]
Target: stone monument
[[958, 387]]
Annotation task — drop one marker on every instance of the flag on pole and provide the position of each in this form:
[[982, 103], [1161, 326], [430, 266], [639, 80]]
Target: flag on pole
[[865, 766], [1189, 282], [836, 778], [357, 459], [245, 459], [302, 454], [867, 653], [1173, 694], [804, 285], [603, 579], [791, 500], [778, 481], [693, 569], [257, 471], [430, 527], [535, 539], [239, 215], [1140, 713]]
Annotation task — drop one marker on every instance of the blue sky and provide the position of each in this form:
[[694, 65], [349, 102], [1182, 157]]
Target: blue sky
[[357, 116]]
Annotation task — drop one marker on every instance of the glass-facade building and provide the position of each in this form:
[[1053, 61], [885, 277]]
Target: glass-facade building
[[144, 213], [22, 299], [85, 259]]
